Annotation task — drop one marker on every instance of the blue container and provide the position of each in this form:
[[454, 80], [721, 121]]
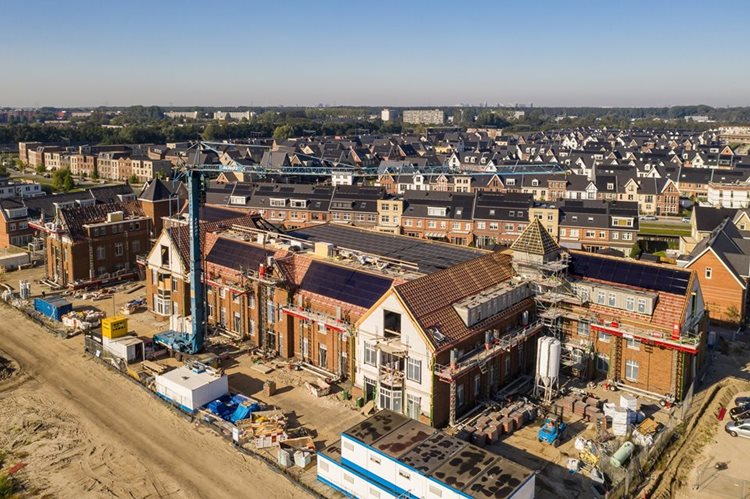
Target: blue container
[[53, 307]]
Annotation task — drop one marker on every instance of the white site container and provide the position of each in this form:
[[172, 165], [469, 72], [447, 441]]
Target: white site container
[[127, 348], [190, 389]]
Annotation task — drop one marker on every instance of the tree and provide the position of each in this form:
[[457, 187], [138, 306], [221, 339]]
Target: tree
[[20, 165], [283, 132], [733, 315], [133, 179], [62, 180], [40, 169]]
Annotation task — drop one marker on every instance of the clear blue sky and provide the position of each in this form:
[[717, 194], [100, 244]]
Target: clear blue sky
[[597, 52]]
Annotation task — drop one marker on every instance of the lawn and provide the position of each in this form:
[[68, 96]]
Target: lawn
[[657, 229]]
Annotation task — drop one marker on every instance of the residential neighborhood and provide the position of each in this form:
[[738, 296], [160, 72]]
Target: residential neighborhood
[[346, 269]]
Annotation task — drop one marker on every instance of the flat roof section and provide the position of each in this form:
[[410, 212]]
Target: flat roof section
[[376, 427], [428, 256], [463, 466], [403, 438], [432, 452], [500, 479]]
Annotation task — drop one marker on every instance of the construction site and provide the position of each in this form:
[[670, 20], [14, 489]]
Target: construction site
[[585, 371]]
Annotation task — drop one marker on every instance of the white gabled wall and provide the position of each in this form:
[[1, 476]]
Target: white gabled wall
[[371, 329], [175, 262]]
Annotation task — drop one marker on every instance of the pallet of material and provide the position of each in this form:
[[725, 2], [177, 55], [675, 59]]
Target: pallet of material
[[300, 443], [154, 367]]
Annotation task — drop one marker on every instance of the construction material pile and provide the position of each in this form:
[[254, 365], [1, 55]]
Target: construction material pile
[[265, 428], [234, 407], [583, 405], [645, 432], [490, 426], [133, 306], [624, 415], [84, 320]]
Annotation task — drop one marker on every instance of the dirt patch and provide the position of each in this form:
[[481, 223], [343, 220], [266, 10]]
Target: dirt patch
[[7, 368], [698, 432]]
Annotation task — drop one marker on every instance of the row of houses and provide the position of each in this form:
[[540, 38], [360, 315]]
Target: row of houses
[[481, 218], [428, 329]]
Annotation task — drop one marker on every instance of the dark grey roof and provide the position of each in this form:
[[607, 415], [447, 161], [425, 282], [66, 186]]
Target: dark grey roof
[[426, 255], [707, 218]]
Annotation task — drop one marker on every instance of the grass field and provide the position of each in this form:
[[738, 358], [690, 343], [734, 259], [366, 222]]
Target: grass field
[[661, 229]]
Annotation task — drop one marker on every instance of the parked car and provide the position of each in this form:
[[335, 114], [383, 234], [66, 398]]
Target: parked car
[[647, 217], [738, 429], [740, 412], [686, 220], [742, 401]]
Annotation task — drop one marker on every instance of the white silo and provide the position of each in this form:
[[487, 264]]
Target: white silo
[[553, 366]]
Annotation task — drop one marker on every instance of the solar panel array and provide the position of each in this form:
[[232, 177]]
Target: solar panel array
[[629, 273], [340, 283], [236, 255], [429, 257]]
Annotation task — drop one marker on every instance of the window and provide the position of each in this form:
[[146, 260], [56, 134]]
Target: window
[[136, 246], [436, 211], [709, 272], [119, 250], [602, 363], [602, 234], [633, 344], [631, 370], [460, 395], [612, 300], [164, 254], [251, 326], [583, 328], [237, 323], [370, 354], [403, 474], [590, 234], [414, 370], [627, 236], [162, 304], [477, 384], [391, 322], [603, 337], [223, 293], [101, 253], [413, 407], [223, 317], [210, 310], [641, 306], [431, 224], [615, 235], [600, 298], [278, 203], [630, 303], [297, 203]]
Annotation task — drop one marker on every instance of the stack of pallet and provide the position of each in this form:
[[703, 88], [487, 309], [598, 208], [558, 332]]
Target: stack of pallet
[[488, 428], [586, 407]]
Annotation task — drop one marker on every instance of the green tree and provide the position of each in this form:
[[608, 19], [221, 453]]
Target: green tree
[[283, 132], [133, 179], [20, 165], [40, 169], [62, 180], [211, 132]]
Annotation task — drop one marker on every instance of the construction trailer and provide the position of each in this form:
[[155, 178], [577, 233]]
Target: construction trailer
[[391, 455], [191, 387]]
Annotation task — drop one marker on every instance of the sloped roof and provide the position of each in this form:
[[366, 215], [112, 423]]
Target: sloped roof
[[535, 240], [430, 298], [75, 218], [729, 245], [156, 190]]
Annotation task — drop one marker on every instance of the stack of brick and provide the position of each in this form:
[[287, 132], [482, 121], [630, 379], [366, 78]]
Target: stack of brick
[[488, 428]]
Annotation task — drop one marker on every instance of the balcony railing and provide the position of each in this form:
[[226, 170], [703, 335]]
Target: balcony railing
[[480, 356], [327, 320]]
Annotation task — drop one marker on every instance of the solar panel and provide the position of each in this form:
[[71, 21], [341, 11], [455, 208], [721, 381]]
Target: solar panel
[[339, 283], [630, 273], [236, 255]]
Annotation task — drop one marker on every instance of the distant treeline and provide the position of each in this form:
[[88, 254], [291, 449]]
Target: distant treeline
[[148, 124]]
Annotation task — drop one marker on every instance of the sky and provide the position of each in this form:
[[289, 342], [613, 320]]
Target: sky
[[378, 53]]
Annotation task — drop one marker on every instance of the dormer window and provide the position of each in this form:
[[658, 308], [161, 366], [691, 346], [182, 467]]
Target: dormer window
[[535, 183], [278, 202], [610, 186]]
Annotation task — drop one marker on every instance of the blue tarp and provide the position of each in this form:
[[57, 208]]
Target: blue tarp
[[233, 407]]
